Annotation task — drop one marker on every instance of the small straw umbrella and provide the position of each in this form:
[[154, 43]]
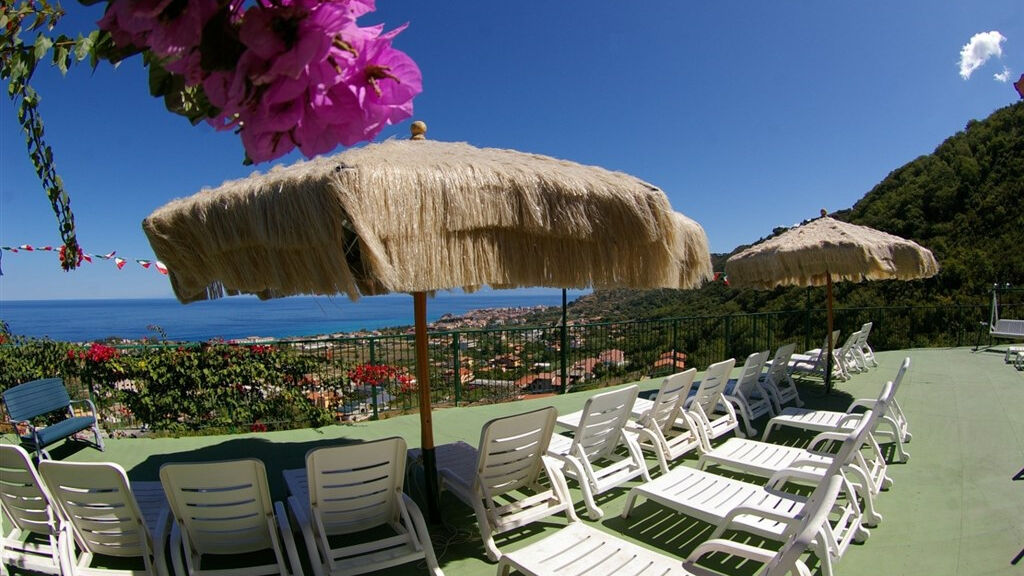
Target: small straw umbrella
[[826, 250], [418, 216]]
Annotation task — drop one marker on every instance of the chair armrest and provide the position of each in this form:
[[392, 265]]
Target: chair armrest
[[727, 522], [732, 548], [92, 407], [824, 437], [866, 403], [792, 473]]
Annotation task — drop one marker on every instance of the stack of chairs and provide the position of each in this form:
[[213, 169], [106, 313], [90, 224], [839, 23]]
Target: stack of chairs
[[517, 476]]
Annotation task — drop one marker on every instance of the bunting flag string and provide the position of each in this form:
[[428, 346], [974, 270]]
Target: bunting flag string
[[86, 257]]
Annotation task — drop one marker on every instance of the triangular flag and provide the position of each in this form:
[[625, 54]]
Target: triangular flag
[[161, 268], [47, 248], [109, 256], [143, 263], [26, 247], [120, 262], [87, 257]]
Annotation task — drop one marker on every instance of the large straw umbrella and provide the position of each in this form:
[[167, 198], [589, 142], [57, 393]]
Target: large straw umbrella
[[826, 250], [418, 216]]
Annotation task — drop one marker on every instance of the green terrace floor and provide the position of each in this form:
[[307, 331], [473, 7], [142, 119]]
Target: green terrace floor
[[957, 507]]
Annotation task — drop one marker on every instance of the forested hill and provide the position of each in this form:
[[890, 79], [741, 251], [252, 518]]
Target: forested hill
[[964, 201]]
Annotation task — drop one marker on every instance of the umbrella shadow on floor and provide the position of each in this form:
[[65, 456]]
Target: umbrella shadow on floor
[[275, 455]]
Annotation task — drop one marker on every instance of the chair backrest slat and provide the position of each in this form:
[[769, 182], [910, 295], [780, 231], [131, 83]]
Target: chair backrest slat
[[604, 416], [356, 486], [97, 499], [35, 398], [23, 499], [510, 451], [669, 401], [712, 385], [223, 506]]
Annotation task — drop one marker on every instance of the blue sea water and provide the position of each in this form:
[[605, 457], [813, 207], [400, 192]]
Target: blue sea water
[[241, 317]]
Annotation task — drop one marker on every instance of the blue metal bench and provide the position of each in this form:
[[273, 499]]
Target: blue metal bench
[[28, 401]]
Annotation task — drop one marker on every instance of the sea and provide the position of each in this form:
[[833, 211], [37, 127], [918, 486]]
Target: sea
[[243, 317]]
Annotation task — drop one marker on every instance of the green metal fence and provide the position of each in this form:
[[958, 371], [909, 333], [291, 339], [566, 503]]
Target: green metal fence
[[500, 365]]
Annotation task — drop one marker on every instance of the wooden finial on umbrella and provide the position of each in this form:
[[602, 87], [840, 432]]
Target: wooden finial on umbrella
[[823, 211], [419, 130]]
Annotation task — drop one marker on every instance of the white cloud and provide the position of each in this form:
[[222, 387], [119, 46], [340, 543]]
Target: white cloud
[[974, 54], [1003, 76]]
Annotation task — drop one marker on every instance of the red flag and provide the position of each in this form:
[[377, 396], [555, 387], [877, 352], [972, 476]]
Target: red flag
[[26, 247], [161, 268], [109, 256], [87, 257], [120, 262], [47, 248], [143, 263], [1019, 85]]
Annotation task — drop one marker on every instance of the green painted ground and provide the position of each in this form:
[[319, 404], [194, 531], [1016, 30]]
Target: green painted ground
[[955, 508]]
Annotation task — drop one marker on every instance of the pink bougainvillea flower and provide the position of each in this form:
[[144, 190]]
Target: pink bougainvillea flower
[[265, 146], [180, 26], [129, 21]]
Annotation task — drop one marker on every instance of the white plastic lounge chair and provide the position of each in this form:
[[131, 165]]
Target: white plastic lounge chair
[[765, 459], [582, 549], [896, 428], [777, 381], [224, 508], [764, 510], [347, 490], [863, 350], [592, 456], [503, 487], [710, 399], [38, 537], [107, 518], [850, 355], [812, 362], [665, 428], [746, 394]]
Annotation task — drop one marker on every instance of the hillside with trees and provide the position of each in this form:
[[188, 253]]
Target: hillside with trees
[[964, 201]]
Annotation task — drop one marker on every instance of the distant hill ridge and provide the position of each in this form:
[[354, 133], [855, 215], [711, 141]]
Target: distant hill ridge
[[964, 201]]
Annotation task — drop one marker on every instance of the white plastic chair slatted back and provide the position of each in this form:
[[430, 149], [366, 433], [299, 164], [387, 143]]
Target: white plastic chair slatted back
[[669, 401], [23, 499], [709, 394], [604, 416], [816, 521], [221, 507], [778, 372], [356, 487], [746, 385], [510, 451], [97, 500]]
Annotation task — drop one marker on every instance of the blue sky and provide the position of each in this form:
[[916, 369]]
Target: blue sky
[[749, 115]]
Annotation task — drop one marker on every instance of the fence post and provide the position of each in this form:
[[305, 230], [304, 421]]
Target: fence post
[[456, 367], [565, 346], [728, 336], [373, 387], [675, 342], [807, 320]]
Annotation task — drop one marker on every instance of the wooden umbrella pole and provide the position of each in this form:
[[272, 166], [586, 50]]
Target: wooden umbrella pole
[[419, 300], [831, 344]]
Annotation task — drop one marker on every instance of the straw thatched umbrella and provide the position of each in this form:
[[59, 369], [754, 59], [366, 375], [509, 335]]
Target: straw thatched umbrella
[[826, 250], [420, 216]]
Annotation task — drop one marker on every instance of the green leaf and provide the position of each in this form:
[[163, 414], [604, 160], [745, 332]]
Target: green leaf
[[41, 47], [83, 47]]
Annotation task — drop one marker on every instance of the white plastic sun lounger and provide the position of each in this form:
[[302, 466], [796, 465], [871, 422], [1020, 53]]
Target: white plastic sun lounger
[[896, 428], [765, 459], [582, 549], [765, 510]]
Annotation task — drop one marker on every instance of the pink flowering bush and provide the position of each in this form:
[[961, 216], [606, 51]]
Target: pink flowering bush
[[281, 73]]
